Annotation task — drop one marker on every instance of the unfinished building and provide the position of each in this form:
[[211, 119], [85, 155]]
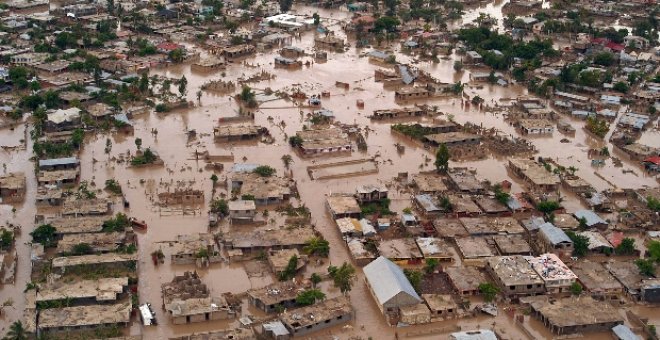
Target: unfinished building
[[481, 226], [84, 317], [575, 314], [188, 300]]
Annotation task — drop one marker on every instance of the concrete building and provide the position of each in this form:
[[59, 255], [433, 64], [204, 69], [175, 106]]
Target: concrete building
[[262, 190], [343, 206], [272, 297], [556, 276], [514, 275], [327, 313], [12, 187], [389, 286], [244, 210], [576, 314], [651, 290], [536, 176], [596, 279], [84, 317], [554, 240], [188, 300], [323, 141], [370, 193], [466, 280]]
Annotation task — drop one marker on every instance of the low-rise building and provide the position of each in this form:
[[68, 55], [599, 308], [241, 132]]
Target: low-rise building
[[99, 290], [262, 190], [512, 245], [275, 296], [473, 248], [323, 141], [435, 248], [555, 240], [556, 276], [403, 250], [343, 206], [188, 300], [537, 177], [576, 314], [228, 133], [319, 316], [84, 317], [627, 273], [466, 280], [441, 305], [370, 193], [12, 187], [596, 279], [651, 290], [242, 210], [514, 275], [536, 126], [200, 248], [389, 286]]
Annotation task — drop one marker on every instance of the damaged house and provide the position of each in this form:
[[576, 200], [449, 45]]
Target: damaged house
[[262, 190], [323, 141]]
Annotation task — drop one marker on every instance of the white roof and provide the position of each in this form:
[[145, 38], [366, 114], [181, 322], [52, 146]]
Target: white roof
[[387, 280], [61, 116]]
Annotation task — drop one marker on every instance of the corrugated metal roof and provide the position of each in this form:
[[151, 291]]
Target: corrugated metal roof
[[622, 332], [554, 234], [387, 280], [481, 334], [58, 161], [426, 201], [591, 217], [406, 76]]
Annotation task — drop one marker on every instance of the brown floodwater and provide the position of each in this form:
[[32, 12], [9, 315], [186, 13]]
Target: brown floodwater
[[180, 169]]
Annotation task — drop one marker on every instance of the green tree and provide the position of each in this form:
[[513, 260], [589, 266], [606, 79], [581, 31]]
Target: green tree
[[458, 66], [415, 278], [653, 250], [442, 158], [138, 143], [177, 55], [576, 288], [295, 141], [626, 247], [183, 84], [604, 59], [488, 290], [645, 267], [289, 271], [317, 19], [501, 196], [16, 332], [547, 207], [44, 234], [309, 297], [285, 5], [82, 249], [621, 87], [6, 239], [220, 206], [214, 179], [580, 243], [342, 276], [317, 246], [315, 278], [387, 23], [264, 171], [287, 160], [18, 76], [430, 265]]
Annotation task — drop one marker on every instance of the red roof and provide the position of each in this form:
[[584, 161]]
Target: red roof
[[168, 46], [615, 238], [600, 41], [614, 46], [653, 159]]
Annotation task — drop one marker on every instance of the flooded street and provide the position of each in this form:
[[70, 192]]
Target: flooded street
[[283, 119]]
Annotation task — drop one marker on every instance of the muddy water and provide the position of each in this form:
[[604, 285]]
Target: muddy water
[[172, 144]]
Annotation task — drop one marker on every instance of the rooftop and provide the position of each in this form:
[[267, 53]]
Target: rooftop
[[387, 280], [62, 262], [397, 249], [275, 293], [514, 270], [575, 311], [534, 171], [269, 237], [71, 225], [512, 244], [594, 277], [85, 315], [452, 137], [551, 268], [466, 278], [492, 225], [343, 205], [473, 247], [554, 234], [102, 289], [327, 310]]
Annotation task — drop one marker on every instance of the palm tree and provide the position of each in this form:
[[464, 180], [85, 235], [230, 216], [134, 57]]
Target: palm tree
[[16, 332], [287, 159], [317, 246]]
